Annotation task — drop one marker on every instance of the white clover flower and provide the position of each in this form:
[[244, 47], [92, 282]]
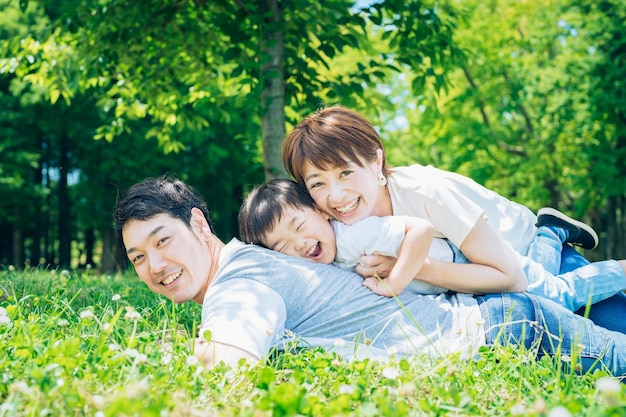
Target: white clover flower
[[62, 323], [11, 268], [116, 297], [5, 321], [192, 360], [131, 314], [99, 414], [60, 382], [86, 314], [391, 373], [559, 412], [392, 350], [339, 343], [131, 353], [3, 311], [346, 389], [105, 327], [98, 401], [608, 387], [566, 358], [113, 347], [166, 358], [141, 358], [518, 410], [65, 273]]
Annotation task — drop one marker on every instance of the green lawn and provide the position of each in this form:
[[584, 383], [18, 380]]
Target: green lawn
[[74, 344]]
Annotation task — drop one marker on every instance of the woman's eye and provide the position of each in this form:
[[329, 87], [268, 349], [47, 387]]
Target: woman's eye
[[315, 185], [345, 173], [136, 259]]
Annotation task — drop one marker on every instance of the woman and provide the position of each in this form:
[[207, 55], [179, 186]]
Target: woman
[[338, 156]]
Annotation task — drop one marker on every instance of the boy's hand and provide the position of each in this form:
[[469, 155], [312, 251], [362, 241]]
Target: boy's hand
[[381, 286], [372, 265]]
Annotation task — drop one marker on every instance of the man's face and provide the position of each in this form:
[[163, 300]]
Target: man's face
[[172, 259], [305, 233]]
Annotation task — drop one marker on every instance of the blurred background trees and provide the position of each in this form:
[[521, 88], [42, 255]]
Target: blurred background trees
[[524, 97]]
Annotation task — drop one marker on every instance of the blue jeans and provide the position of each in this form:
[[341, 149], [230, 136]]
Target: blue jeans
[[547, 328]]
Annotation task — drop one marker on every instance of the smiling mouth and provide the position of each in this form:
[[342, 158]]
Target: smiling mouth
[[172, 278], [315, 251], [348, 207]]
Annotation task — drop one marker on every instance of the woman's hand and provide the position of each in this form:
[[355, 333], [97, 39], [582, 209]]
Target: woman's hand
[[371, 265]]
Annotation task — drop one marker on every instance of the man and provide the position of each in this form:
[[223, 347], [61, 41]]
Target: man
[[255, 299]]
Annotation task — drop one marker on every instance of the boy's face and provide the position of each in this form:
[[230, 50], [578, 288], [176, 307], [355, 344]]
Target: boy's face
[[305, 233]]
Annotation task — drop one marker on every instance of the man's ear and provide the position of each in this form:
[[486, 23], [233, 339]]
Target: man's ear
[[199, 223]]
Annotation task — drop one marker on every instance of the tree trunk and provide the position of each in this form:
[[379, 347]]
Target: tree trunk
[[90, 241], [18, 248], [108, 251], [273, 97], [64, 221]]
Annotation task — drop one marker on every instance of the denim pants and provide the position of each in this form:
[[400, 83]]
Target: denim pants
[[547, 328]]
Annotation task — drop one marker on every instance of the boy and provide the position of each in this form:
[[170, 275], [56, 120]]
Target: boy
[[282, 216]]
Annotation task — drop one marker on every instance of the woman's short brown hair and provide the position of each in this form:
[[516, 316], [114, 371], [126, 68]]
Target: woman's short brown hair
[[331, 137]]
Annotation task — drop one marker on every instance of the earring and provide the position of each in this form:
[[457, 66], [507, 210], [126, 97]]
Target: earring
[[382, 180]]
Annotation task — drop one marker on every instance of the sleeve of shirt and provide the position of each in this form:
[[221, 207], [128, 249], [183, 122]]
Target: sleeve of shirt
[[245, 314], [372, 235]]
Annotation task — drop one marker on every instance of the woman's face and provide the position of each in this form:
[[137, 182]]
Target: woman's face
[[350, 193]]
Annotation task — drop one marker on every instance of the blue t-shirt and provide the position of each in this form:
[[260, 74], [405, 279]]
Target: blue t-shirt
[[261, 299]]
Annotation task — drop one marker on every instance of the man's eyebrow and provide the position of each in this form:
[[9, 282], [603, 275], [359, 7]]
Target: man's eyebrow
[[151, 234]]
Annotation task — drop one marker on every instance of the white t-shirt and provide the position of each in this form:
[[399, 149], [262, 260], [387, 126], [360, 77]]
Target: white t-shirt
[[383, 236], [261, 299], [453, 203]]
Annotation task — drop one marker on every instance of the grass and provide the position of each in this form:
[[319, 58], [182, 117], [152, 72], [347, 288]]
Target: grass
[[82, 344]]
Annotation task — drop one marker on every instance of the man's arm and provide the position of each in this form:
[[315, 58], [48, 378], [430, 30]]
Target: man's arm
[[212, 353]]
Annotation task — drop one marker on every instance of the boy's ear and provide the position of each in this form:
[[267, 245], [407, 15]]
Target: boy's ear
[[199, 223]]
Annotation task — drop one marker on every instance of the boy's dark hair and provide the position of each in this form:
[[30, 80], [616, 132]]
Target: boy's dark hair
[[154, 196], [264, 207]]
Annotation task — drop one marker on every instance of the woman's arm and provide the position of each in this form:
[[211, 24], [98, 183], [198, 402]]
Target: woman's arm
[[494, 268]]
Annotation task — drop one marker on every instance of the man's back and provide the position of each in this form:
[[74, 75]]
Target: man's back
[[259, 294]]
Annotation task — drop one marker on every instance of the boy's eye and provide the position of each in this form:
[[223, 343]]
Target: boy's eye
[[345, 173], [300, 226], [162, 240], [136, 259]]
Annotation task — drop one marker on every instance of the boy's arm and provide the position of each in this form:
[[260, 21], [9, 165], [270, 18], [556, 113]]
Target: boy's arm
[[412, 254]]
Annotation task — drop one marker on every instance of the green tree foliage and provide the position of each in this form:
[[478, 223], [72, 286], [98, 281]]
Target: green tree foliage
[[536, 111]]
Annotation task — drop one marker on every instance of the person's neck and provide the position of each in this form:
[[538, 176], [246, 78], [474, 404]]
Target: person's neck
[[215, 248]]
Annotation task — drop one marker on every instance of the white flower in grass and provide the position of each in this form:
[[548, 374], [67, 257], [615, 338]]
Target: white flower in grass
[[192, 360], [391, 373], [392, 350], [608, 391], [114, 347], [559, 412], [105, 327], [5, 321], [339, 343], [566, 358], [3, 311], [65, 273], [86, 315], [116, 297], [346, 389], [99, 414], [131, 314], [518, 410], [141, 358], [62, 323], [610, 386], [98, 401]]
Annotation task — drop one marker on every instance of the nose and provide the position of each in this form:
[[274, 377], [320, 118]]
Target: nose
[[300, 245], [336, 193], [156, 261]]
